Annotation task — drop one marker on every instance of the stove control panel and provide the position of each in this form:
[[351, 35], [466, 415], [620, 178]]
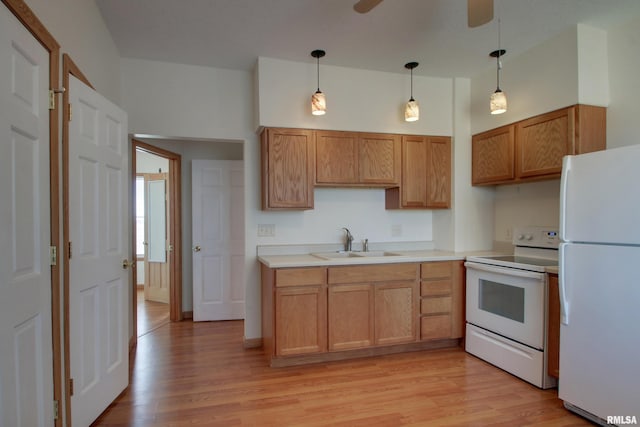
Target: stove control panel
[[536, 237]]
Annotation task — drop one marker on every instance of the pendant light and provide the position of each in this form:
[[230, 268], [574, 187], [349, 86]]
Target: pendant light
[[318, 100], [498, 102], [412, 109]]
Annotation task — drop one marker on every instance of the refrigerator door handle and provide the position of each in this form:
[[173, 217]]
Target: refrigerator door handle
[[564, 304], [564, 185]]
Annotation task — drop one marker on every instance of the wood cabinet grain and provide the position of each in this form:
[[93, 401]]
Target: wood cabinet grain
[[355, 159], [442, 300], [533, 149], [426, 174], [294, 311], [288, 168]]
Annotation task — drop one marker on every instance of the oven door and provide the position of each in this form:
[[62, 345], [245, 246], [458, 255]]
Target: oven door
[[507, 301]]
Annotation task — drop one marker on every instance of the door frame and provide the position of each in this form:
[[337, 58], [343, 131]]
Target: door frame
[[31, 22], [175, 233]]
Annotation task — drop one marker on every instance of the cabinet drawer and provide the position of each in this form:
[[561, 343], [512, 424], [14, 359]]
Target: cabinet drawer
[[433, 327], [435, 287], [437, 305], [373, 273], [301, 276], [436, 270]]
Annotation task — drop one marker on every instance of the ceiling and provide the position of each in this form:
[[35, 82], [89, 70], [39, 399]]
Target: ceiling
[[234, 33]]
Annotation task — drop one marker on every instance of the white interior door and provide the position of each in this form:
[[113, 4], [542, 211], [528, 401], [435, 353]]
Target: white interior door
[[98, 230], [218, 239], [26, 378]]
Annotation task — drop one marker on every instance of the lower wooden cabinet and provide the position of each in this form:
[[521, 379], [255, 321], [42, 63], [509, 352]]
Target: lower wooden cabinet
[[351, 316], [314, 314], [442, 300], [553, 328], [372, 305]]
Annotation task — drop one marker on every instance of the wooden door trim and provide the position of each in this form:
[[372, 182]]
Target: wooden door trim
[[175, 237], [31, 22]]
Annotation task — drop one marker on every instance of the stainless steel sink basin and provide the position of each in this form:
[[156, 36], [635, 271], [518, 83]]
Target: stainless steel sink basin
[[342, 255], [376, 254]]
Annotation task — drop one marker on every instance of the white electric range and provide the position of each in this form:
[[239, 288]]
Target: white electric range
[[507, 305]]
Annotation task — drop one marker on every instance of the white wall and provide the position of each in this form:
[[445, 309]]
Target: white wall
[[540, 80], [150, 163], [81, 32], [624, 63], [357, 100]]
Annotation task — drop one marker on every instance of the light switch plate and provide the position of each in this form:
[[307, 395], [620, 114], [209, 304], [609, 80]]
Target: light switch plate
[[266, 230]]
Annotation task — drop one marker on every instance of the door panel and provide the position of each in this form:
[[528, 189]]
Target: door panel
[[26, 377], [98, 234], [218, 239]]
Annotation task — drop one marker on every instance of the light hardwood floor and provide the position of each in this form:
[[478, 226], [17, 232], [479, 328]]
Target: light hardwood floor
[[198, 374], [151, 314]]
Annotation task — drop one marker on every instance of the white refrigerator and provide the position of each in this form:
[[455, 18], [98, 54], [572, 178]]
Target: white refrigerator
[[600, 285]]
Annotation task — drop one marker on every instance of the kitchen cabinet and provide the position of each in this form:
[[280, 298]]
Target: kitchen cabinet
[[351, 312], [533, 149], [288, 168], [426, 174], [379, 301], [553, 328], [493, 156], [441, 300], [294, 310], [357, 159]]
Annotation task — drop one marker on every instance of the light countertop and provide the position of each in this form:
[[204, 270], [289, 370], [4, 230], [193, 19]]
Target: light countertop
[[308, 260]]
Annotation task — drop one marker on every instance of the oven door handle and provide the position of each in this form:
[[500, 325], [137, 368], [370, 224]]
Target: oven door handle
[[504, 270]]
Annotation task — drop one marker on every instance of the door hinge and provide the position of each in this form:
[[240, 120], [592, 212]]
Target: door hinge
[[56, 410], [70, 111], [52, 100], [53, 255], [69, 251], [70, 386]]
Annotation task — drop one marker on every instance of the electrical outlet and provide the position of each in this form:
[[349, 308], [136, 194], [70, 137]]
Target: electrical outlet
[[266, 230], [396, 230]]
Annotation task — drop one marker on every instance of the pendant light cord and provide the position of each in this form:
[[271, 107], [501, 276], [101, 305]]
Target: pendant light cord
[[498, 59], [318, 71], [412, 84]]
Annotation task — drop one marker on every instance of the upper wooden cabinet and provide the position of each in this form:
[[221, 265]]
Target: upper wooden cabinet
[[426, 174], [357, 159], [533, 149], [288, 168], [493, 155]]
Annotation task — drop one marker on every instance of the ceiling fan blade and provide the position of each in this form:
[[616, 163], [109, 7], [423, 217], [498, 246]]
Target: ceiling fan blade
[[364, 6], [479, 12]]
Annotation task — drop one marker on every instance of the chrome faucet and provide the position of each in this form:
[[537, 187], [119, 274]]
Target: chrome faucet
[[347, 240]]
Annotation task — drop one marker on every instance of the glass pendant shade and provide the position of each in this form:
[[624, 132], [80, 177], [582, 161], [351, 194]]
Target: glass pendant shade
[[498, 102], [318, 104], [412, 111]]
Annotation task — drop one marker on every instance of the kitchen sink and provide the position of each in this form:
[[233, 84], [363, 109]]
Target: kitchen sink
[[342, 254]]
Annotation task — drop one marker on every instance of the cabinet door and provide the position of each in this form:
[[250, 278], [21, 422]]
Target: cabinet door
[[300, 320], [379, 159], [493, 156], [350, 316], [395, 313], [438, 172], [543, 141], [414, 171], [288, 165], [336, 158], [553, 328]]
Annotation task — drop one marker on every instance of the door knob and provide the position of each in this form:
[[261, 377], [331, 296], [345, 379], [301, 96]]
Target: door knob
[[197, 249], [126, 264]]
